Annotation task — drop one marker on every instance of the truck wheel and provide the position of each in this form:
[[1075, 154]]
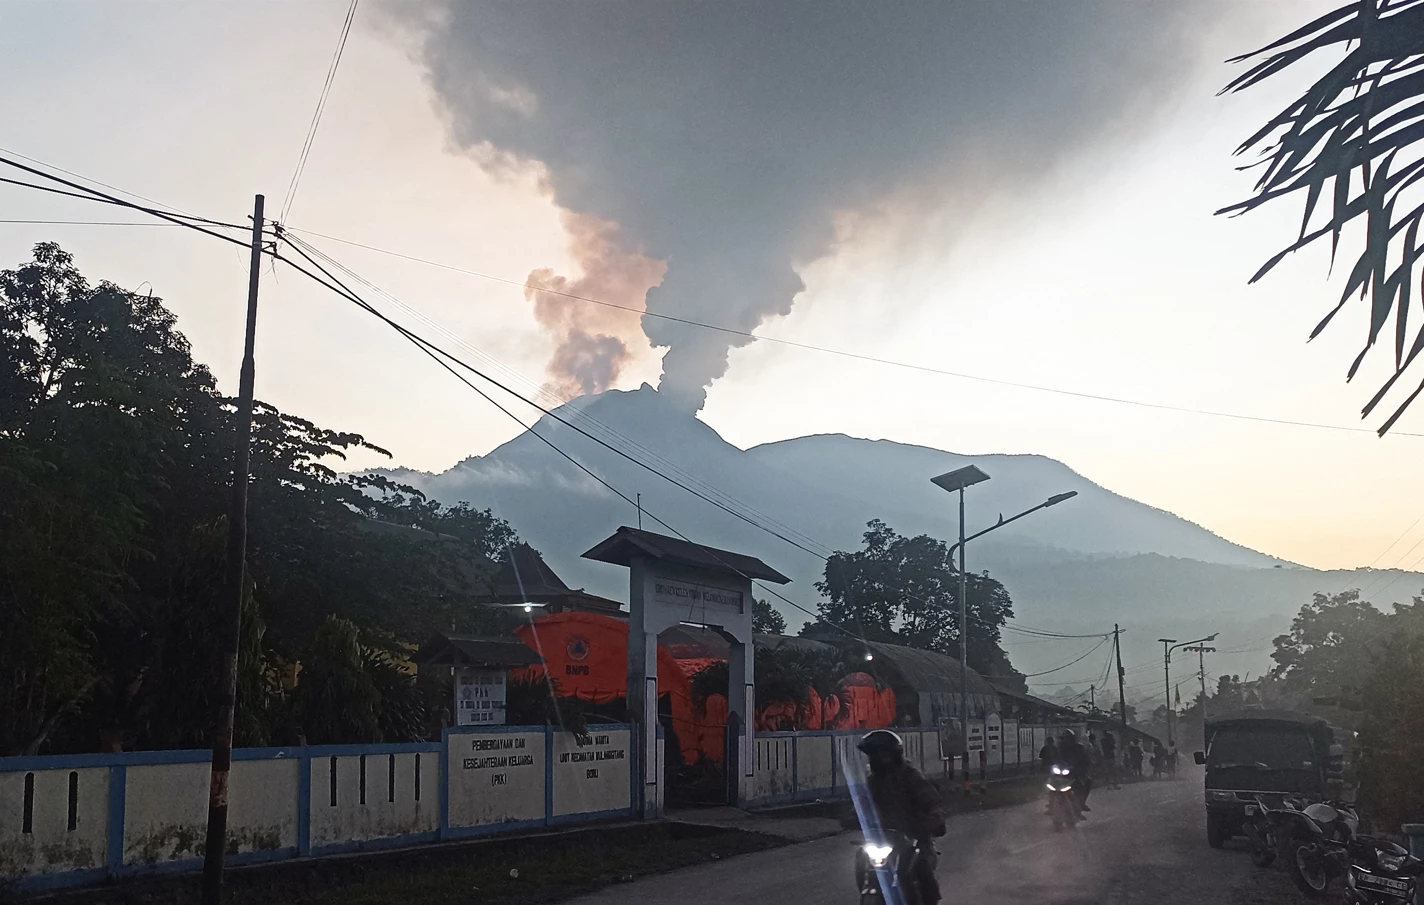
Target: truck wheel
[[1215, 836]]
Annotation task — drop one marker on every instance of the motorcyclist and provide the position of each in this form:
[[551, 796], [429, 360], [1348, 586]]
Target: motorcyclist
[[1074, 756], [906, 802]]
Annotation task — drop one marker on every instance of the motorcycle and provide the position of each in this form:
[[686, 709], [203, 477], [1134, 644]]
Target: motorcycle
[[1316, 842], [1062, 799], [1262, 827], [1381, 872], [885, 869]]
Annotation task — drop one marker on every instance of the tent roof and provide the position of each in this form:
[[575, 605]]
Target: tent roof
[[627, 544]]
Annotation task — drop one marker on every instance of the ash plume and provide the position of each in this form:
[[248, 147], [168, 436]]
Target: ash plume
[[592, 342], [724, 137]]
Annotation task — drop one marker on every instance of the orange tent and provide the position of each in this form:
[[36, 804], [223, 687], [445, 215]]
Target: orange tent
[[587, 656]]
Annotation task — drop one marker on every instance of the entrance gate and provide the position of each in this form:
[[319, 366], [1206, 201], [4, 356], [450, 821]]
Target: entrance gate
[[673, 581]]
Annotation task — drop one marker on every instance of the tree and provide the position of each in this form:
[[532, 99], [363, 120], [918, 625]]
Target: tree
[[1355, 130], [766, 620], [1330, 649], [905, 590], [115, 461]]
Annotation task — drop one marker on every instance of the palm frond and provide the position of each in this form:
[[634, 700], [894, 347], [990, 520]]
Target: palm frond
[[1358, 130]]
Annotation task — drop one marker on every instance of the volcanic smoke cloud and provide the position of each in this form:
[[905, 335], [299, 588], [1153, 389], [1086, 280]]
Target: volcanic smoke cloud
[[592, 340], [723, 137]]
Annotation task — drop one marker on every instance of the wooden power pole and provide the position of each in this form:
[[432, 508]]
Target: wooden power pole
[[229, 615], [1121, 694]]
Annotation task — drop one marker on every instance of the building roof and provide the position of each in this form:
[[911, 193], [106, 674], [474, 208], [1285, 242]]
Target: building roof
[[927, 670], [494, 653], [627, 544]]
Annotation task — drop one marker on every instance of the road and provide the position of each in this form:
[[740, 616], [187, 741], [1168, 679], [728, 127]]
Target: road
[[1141, 844]]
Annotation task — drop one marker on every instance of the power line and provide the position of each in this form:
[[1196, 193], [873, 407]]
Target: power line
[[86, 222], [96, 195], [316, 115], [112, 188], [844, 353]]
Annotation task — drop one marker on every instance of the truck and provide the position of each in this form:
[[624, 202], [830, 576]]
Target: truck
[[1264, 754]]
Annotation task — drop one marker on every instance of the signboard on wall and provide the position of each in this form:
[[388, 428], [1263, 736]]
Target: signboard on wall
[[495, 777], [697, 598], [976, 736], [480, 696], [994, 727]]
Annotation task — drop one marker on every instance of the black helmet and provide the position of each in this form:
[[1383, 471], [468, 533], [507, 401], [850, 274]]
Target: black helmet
[[881, 740]]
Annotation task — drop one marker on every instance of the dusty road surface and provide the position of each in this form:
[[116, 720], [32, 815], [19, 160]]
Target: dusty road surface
[[1141, 844]]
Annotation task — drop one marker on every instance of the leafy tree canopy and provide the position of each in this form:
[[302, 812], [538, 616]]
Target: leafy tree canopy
[[115, 469], [905, 590]]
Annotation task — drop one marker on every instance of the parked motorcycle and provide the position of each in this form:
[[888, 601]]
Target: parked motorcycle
[[885, 869], [1381, 872], [1316, 842], [1062, 798], [1262, 826]]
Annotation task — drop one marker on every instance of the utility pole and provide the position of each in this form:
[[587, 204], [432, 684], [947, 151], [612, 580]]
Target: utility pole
[[1201, 651], [1093, 698], [1121, 694], [229, 618]]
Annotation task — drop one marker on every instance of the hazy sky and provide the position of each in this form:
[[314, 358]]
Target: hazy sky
[[1038, 210]]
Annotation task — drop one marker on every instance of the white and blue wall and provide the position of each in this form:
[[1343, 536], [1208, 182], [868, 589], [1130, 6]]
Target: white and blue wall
[[80, 819]]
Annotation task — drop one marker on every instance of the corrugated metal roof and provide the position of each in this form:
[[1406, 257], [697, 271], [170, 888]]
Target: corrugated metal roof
[[497, 653], [929, 671]]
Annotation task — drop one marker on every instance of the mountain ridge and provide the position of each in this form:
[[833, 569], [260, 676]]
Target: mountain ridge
[[1099, 559]]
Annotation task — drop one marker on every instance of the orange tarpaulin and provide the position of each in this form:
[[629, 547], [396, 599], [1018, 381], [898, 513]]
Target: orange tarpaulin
[[587, 656]]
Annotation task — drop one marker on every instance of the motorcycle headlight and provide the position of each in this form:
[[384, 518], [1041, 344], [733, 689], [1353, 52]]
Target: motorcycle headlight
[[1060, 771], [878, 854]]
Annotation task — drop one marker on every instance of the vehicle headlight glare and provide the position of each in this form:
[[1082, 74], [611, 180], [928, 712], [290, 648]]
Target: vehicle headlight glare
[[878, 854]]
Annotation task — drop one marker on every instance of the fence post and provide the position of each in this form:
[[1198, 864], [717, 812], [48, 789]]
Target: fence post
[[548, 774], [445, 783], [304, 782], [118, 793]]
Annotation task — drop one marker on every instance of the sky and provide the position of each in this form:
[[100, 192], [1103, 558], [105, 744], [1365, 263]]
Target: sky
[[1033, 204]]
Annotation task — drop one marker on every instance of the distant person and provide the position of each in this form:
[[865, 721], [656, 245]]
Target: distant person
[[1048, 755], [1110, 759], [1159, 760], [1134, 758], [1172, 759]]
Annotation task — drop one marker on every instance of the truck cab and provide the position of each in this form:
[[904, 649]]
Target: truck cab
[[1265, 754]]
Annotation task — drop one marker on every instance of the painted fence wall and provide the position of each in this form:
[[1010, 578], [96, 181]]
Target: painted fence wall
[[798, 766], [73, 820]]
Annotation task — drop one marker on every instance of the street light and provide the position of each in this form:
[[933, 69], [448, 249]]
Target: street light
[[953, 481], [1167, 674]]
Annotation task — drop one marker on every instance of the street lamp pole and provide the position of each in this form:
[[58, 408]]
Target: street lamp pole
[[963, 643], [1167, 674], [958, 480], [1167, 680]]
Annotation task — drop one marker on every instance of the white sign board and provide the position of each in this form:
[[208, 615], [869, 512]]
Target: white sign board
[[976, 736], [495, 778], [698, 600], [479, 697], [593, 775]]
